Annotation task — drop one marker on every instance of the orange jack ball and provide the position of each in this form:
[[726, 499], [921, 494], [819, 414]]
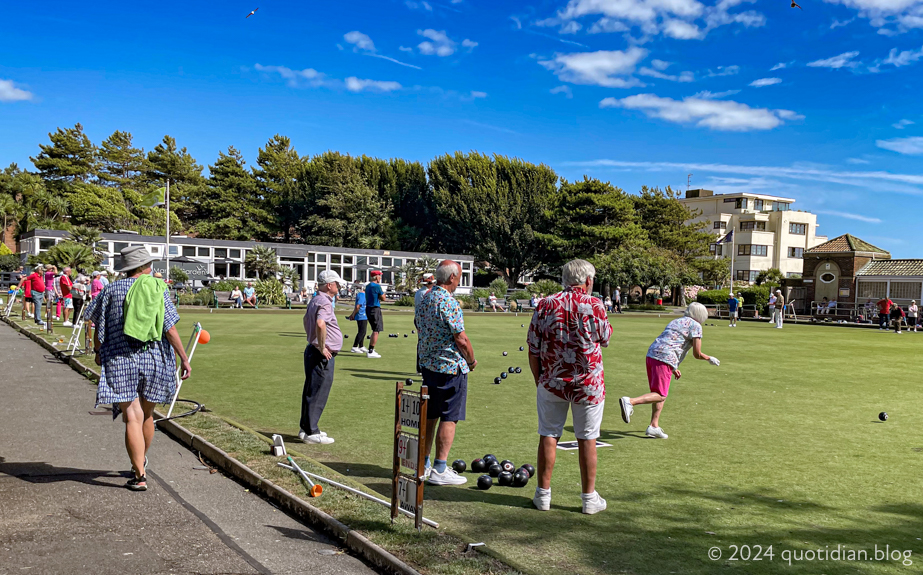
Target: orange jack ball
[[204, 337]]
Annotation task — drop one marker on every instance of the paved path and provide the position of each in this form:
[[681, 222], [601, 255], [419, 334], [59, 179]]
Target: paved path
[[63, 508]]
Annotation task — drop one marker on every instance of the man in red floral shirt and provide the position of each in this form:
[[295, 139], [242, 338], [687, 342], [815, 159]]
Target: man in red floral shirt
[[567, 331]]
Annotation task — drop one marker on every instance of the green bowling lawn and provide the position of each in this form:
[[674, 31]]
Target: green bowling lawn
[[779, 446]]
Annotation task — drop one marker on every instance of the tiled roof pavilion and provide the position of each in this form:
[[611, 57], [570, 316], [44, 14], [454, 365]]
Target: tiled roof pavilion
[[905, 268], [845, 244]]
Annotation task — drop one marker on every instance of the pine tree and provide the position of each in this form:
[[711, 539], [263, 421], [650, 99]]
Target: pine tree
[[71, 157], [122, 165], [187, 185], [277, 177], [232, 208]]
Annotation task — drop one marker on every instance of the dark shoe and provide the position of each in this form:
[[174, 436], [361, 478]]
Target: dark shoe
[[137, 483]]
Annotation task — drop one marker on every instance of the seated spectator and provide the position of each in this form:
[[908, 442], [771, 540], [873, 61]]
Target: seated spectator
[[608, 303], [250, 295], [534, 301], [237, 297], [303, 295], [492, 300], [822, 306], [831, 307]]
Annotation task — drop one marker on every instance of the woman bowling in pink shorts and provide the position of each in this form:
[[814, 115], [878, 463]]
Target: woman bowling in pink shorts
[[663, 359]]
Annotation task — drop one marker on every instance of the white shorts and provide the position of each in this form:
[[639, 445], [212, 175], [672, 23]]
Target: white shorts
[[552, 415], [68, 303]]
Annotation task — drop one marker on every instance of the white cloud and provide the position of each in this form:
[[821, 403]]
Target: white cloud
[[489, 127], [438, 43], [849, 216], [836, 23], [763, 82], [778, 66], [405, 49], [857, 161], [563, 90], [418, 5], [682, 30], [10, 93], [720, 115], [354, 84], [912, 146], [844, 60], [571, 27], [706, 95], [889, 16], [295, 78], [362, 44], [901, 124], [475, 94], [883, 181], [724, 71], [607, 25], [660, 64], [516, 21], [903, 58], [682, 77], [611, 69]]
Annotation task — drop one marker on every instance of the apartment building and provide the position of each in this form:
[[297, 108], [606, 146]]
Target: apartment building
[[768, 232]]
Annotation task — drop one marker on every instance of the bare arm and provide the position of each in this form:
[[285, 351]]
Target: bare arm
[[697, 349], [177, 345], [464, 346], [535, 364], [322, 339], [354, 314]]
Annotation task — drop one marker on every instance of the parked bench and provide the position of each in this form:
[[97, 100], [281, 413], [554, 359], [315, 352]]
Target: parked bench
[[483, 304], [223, 298]]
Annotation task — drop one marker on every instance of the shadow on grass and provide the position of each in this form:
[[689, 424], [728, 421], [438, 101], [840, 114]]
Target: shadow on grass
[[607, 434], [359, 469]]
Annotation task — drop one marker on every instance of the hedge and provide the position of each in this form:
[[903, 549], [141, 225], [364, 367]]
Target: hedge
[[756, 295]]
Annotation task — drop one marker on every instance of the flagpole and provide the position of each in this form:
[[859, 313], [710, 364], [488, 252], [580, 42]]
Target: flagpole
[[733, 243], [168, 230]]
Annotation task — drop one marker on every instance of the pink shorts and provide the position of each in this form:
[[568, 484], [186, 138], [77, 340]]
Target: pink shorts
[[658, 376]]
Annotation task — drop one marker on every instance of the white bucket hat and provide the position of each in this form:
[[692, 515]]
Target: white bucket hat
[[133, 258]]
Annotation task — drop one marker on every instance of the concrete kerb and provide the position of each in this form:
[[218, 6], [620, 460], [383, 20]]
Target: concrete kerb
[[353, 540]]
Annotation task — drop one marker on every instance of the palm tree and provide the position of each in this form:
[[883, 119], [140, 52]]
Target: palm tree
[[87, 236], [67, 253], [262, 261]]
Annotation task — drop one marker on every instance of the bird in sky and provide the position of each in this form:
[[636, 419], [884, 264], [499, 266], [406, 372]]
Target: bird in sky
[[796, 5], [254, 12]]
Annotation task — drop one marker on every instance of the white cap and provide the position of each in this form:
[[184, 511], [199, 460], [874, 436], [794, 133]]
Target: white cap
[[427, 278], [330, 276]]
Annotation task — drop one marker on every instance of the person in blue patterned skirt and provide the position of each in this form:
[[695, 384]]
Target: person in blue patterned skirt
[[134, 341]]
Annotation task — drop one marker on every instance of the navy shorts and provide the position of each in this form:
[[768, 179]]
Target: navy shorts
[[448, 393]]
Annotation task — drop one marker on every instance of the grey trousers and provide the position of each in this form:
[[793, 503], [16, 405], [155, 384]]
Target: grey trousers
[[318, 379]]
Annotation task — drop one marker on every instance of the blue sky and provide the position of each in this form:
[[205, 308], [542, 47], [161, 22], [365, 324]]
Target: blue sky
[[820, 104]]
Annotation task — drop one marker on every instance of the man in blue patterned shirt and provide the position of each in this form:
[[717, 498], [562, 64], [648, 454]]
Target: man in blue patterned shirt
[[446, 357]]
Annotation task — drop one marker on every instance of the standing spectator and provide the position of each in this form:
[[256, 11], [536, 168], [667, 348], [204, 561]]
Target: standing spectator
[[779, 310], [492, 300], [96, 285], [362, 323], [34, 286], [663, 359], [324, 343], [104, 278], [250, 296], [135, 341], [79, 294], [884, 313], [25, 285], [733, 304], [446, 357], [912, 314], [373, 297], [618, 299], [772, 307], [237, 297], [65, 287], [897, 318], [565, 339], [428, 281], [51, 295]]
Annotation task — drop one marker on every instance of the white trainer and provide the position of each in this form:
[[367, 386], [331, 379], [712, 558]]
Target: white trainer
[[656, 432], [593, 503], [542, 501], [363, 350], [447, 477], [317, 439], [357, 350], [373, 355], [67, 324], [427, 471], [627, 409]]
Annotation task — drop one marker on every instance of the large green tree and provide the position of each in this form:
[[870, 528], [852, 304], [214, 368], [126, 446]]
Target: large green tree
[[278, 172], [187, 185], [122, 166], [492, 207], [70, 157], [232, 208]]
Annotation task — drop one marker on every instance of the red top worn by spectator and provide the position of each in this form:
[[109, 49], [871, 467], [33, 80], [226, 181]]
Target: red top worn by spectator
[[566, 333], [66, 285], [36, 283], [884, 306]]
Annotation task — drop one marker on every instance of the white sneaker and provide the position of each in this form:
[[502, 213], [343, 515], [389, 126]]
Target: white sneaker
[[627, 409], [318, 438], [67, 324], [427, 471], [57, 318], [542, 501], [373, 355], [356, 350], [363, 350], [447, 477], [655, 432], [593, 503]]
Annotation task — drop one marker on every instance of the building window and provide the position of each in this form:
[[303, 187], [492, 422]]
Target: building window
[[719, 225], [780, 206], [748, 226], [45, 244], [189, 251], [233, 270], [235, 254], [752, 250], [117, 247], [747, 275], [174, 250], [827, 277], [758, 205], [715, 249], [221, 252], [221, 270], [905, 290], [322, 258], [741, 203], [204, 252], [800, 229], [796, 253], [466, 265], [336, 259], [155, 250]]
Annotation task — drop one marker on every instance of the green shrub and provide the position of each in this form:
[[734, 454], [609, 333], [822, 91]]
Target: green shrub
[[546, 287], [269, 292], [229, 285], [521, 294], [480, 293], [647, 307], [9, 263], [5, 250], [756, 295], [499, 287], [405, 301], [467, 301], [712, 297], [178, 275]]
